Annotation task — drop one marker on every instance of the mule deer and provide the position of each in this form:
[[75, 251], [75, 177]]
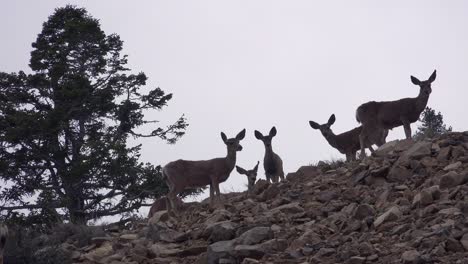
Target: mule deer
[[3, 238], [182, 174], [272, 163], [387, 115], [251, 176], [348, 142]]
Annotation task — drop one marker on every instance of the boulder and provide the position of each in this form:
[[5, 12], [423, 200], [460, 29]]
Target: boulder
[[391, 214]]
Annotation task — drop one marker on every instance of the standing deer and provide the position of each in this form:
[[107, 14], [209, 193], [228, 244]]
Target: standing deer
[[387, 115], [251, 176], [272, 163], [348, 142], [182, 174], [3, 238]]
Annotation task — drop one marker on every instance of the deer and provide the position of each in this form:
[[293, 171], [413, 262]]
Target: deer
[[251, 176], [272, 163], [347, 142], [182, 174], [387, 115], [3, 238]]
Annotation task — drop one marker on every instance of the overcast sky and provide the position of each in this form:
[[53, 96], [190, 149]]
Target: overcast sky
[[257, 64]]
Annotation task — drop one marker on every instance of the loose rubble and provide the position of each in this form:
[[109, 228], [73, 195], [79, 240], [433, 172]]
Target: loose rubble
[[408, 203]]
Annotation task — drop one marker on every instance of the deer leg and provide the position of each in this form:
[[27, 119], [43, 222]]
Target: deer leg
[[362, 142], [407, 127], [268, 177], [371, 148], [212, 194]]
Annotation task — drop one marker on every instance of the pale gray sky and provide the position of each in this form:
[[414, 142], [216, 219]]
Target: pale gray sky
[[254, 64]]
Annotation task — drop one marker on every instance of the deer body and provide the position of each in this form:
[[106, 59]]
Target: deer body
[[272, 162], [387, 115], [3, 238], [182, 174], [348, 142]]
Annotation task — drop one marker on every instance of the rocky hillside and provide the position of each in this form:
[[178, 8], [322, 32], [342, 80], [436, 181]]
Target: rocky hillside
[[406, 204]]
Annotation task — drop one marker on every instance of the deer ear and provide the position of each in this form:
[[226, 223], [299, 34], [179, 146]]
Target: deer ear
[[258, 135], [314, 125], [433, 76], [241, 135], [240, 170], [256, 166], [331, 120], [223, 136], [415, 80], [273, 132]]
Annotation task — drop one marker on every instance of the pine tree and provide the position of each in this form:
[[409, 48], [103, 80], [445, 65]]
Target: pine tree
[[64, 127], [432, 124]]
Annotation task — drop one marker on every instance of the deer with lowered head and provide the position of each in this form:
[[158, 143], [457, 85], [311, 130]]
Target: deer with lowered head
[[348, 142], [272, 163], [3, 238], [182, 174], [387, 115], [251, 176]]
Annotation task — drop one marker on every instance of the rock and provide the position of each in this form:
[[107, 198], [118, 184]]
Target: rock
[[356, 260], [418, 150], [219, 250], [100, 240], [225, 230], [291, 208], [270, 193], [444, 154], [129, 237], [391, 214], [159, 216], [386, 148], [248, 251], [162, 250], [363, 211], [254, 236], [171, 236], [451, 179], [399, 174], [423, 198], [260, 186], [411, 257], [326, 252], [464, 241], [453, 166], [453, 245], [100, 252], [250, 261]]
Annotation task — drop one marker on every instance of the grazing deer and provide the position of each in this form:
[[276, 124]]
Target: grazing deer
[[272, 163], [182, 174], [251, 176], [3, 238], [348, 142], [387, 115]]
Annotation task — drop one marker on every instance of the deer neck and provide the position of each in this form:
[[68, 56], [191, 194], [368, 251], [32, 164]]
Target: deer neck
[[421, 101], [269, 152], [231, 159], [331, 138]]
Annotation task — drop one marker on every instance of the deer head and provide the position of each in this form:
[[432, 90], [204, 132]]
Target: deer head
[[233, 144], [266, 139], [325, 128], [251, 175], [424, 86]]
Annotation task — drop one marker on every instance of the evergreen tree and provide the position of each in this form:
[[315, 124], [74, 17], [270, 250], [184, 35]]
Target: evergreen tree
[[432, 124], [64, 127]]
